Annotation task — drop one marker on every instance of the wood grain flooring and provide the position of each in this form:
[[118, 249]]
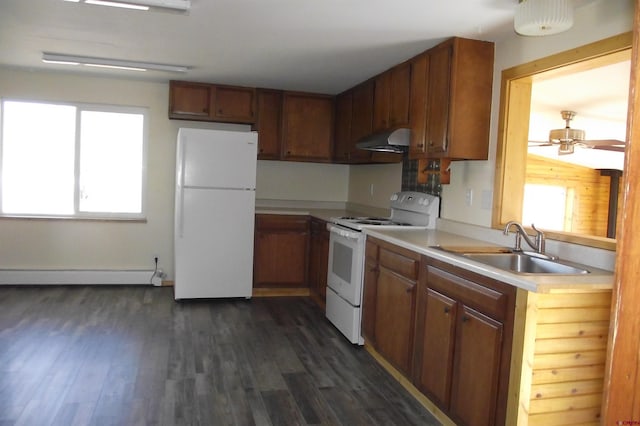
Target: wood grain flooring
[[125, 355]]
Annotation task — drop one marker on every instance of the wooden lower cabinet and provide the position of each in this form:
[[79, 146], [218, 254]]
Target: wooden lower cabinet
[[476, 368], [485, 352], [281, 251], [390, 301], [434, 343], [318, 260], [463, 343]]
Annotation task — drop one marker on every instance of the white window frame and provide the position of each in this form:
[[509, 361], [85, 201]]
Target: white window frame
[[80, 107]]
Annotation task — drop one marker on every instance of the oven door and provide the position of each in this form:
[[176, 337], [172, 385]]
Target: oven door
[[346, 263]]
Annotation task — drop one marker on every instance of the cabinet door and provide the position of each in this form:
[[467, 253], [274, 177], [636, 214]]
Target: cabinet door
[[369, 300], [280, 253], [476, 368], [361, 120], [438, 99], [418, 106], [190, 101], [268, 124], [318, 258], [307, 127], [381, 102], [434, 367], [395, 309], [400, 94], [344, 108], [234, 104]]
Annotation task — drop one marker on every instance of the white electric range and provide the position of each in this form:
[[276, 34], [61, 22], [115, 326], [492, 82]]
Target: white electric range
[[409, 210]]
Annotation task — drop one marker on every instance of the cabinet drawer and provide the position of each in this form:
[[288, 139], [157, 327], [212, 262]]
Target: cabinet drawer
[[396, 262], [484, 299], [282, 222]]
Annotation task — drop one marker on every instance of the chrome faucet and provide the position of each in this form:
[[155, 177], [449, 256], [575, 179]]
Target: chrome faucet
[[537, 245]]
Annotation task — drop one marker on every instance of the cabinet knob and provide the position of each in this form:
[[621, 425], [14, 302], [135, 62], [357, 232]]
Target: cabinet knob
[[447, 310], [420, 145], [220, 111], [430, 143], [465, 318]]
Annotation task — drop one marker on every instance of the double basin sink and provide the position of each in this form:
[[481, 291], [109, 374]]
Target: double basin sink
[[518, 262]]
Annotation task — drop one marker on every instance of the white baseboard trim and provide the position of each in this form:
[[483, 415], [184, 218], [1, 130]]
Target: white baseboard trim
[[74, 277]]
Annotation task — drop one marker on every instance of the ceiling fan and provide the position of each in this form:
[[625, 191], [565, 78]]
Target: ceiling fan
[[568, 138]]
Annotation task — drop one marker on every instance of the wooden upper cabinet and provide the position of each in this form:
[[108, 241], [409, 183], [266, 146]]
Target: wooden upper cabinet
[[361, 120], [268, 123], [307, 127], [391, 98], [234, 104], [342, 142], [209, 102], [189, 101], [460, 78], [438, 99], [418, 105]]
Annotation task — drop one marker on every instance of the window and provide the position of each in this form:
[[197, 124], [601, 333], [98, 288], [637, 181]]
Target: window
[[545, 206], [72, 160], [513, 132]]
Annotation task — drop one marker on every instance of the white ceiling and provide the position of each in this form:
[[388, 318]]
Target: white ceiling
[[318, 46], [321, 46]]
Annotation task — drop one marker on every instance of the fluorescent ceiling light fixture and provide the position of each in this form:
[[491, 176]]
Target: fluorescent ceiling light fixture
[[117, 4], [181, 5], [543, 17], [56, 58]]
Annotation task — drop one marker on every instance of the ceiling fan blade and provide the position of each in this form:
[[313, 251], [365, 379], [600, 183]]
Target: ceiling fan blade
[[604, 144], [540, 143]]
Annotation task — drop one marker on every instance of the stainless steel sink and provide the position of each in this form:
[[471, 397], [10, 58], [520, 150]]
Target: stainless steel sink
[[517, 262], [522, 263]]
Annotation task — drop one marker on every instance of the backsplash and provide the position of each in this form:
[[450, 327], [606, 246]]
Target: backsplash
[[410, 178]]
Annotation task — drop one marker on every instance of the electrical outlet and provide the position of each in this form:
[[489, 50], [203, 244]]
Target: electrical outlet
[[469, 196]]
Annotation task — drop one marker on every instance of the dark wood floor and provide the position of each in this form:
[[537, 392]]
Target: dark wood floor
[[133, 356]]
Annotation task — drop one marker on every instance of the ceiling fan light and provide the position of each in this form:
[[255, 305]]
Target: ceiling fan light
[[543, 17], [566, 148]]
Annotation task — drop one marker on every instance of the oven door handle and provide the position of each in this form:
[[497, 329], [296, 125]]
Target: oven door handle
[[352, 235]]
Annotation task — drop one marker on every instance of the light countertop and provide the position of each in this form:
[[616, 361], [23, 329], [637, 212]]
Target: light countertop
[[423, 241]]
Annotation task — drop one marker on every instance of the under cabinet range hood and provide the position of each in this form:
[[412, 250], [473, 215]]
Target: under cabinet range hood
[[396, 140]]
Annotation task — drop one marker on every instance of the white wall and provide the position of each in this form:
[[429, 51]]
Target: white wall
[[595, 21], [286, 180], [385, 178], [82, 244]]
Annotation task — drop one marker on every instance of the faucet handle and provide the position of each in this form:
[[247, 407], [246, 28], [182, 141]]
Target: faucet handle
[[540, 246]]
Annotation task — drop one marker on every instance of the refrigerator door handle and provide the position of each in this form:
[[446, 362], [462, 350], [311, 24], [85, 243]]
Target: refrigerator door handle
[[180, 190]]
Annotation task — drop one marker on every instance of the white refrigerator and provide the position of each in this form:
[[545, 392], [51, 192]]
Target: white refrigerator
[[214, 213]]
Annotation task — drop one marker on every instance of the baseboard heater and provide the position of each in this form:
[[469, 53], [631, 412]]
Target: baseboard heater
[[77, 277]]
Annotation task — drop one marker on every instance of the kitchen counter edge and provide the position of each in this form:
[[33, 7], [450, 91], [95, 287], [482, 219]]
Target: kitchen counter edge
[[423, 241]]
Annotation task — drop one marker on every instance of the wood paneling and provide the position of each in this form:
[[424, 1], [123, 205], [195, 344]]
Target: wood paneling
[[588, 189], [563, 358], [622, 400]]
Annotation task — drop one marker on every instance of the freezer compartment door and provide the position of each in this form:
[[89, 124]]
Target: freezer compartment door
[[214, 243], [217, 158]]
